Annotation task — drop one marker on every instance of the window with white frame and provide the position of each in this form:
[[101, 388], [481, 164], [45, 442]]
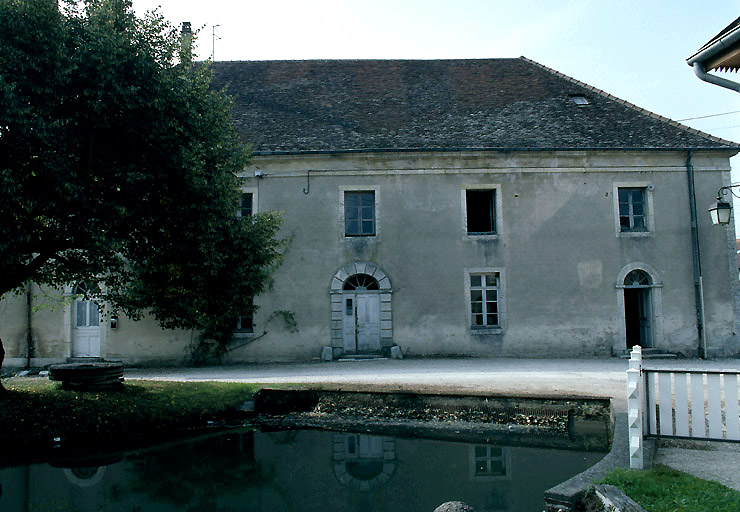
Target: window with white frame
[[632, 209], [359, 213], [490, 461], [484, 299]]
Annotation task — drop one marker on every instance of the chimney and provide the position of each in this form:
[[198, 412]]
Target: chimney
[[186, 41]]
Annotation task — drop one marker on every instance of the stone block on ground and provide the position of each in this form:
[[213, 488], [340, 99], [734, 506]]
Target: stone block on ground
[[454, 506]]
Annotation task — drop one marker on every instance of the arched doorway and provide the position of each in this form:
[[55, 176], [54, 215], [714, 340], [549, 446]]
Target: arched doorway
[[364, 462], [361, 319], [361, 310], [638, 310]]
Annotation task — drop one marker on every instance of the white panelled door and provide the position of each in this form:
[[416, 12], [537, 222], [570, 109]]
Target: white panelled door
[[86, 332], [361, 323]]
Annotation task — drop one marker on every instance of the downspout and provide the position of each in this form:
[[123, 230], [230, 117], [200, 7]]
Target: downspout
[[696, 257], [722, 82], [29, 331]]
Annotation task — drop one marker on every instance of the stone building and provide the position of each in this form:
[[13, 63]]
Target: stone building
[[454, 207]]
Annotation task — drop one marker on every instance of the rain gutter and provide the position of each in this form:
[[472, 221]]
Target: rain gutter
[[696, 259], [698, 59], [722, 82], [29, 330]]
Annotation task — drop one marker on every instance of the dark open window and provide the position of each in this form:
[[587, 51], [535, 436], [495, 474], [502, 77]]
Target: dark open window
[[359, 213], [245, 208], [245, 322], [481, 211]]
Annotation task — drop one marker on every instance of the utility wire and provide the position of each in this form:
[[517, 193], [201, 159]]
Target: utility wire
[[710, 115]]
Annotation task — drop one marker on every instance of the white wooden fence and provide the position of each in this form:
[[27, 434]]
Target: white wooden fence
[[696, 404]]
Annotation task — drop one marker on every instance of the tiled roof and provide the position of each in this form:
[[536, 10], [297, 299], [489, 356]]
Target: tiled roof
[[375, 105]]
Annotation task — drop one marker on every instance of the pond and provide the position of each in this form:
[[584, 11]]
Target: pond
[[296, 470]]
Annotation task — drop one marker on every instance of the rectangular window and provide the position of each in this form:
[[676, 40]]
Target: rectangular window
[[359, 213], [245, 208], [489, 461], [632, 211], [481, 211], [244, 323], [484, 298]]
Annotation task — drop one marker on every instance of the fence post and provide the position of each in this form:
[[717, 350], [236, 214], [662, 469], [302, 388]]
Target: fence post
[[634, 407]]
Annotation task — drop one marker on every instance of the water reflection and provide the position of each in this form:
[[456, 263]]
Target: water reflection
[[84, 477], [364, 462], [298, 471]]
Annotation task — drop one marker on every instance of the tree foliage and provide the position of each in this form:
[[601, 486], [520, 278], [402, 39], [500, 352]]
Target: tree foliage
[[118, 165]]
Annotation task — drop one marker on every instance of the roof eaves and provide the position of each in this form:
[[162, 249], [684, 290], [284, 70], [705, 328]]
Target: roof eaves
[[731, 144], [726, 38], [735, 148]]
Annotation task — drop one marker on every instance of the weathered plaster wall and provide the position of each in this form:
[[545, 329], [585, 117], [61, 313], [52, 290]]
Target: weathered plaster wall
[[558, 251], [144, 342], [49, 331]]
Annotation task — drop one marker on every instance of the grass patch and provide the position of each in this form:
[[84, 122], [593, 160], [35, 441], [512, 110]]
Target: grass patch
[[37, 410], [662, 489]]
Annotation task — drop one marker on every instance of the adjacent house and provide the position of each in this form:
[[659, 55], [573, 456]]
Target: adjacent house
[[487, 207], [721, 53]]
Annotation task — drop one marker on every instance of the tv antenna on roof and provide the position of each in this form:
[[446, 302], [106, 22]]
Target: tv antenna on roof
[[213, 43]]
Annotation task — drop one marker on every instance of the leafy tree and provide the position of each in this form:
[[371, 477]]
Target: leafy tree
[[118, 165]]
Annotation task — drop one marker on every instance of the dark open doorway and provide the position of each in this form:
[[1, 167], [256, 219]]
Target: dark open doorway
[[638, 310]]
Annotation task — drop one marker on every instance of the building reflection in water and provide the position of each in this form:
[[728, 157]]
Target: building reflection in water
[[307, 471], [364, 462]]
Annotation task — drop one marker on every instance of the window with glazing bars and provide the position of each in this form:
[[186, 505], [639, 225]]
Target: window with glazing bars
[[484, 300], [490, 461], [632, 209], [359, 213]]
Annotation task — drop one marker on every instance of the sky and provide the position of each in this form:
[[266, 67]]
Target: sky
[[633, 49]]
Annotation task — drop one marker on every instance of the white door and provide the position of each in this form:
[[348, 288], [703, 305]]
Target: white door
[[361, 323], [86, 333]]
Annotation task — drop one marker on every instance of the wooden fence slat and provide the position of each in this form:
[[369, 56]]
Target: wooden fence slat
[[732, 415], [698, 416], [652, 400], [665, 404], [714, 406], [681, 397]]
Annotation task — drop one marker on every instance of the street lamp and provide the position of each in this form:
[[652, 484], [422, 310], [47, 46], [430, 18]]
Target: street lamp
[[721, 211]]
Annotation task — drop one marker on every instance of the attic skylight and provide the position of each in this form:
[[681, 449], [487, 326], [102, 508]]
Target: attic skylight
[[579, 99]]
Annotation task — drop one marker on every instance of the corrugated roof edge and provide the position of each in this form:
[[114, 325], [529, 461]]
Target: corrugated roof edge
[[729, 143]]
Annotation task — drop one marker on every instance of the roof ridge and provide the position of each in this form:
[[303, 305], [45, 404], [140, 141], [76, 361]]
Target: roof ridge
[[360, 59], [632, 106]]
